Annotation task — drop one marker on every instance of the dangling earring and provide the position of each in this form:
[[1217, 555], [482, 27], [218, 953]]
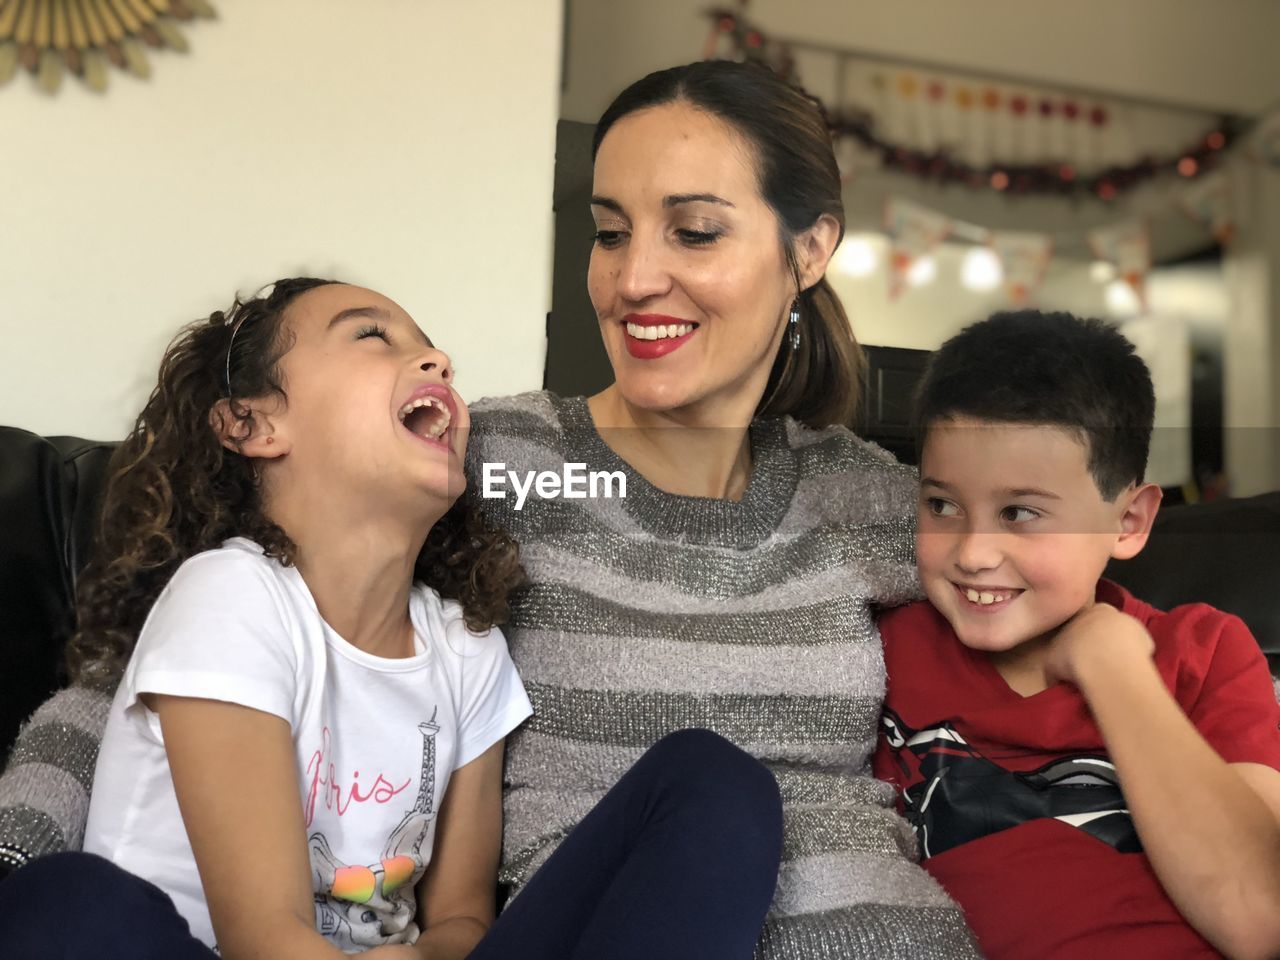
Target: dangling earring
[[793, 324]]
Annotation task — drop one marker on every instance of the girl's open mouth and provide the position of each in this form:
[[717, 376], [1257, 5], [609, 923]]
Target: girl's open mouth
[[429, 418]]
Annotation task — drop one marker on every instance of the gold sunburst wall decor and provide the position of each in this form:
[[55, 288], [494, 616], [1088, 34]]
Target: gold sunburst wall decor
[[53, 37]]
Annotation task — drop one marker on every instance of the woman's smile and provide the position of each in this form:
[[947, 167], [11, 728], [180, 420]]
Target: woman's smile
[[652, 335]]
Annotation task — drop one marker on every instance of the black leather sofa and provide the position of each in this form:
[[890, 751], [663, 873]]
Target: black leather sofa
[[1226, 553], [49, 492]]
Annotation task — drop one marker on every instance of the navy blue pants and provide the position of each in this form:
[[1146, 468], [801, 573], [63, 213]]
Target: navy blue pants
[[679, 861]]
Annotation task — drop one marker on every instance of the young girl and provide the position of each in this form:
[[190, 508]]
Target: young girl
[[304, 755]]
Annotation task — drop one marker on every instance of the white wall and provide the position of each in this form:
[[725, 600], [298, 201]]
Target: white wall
[[1251, 353], [407, 145], [921, 318]]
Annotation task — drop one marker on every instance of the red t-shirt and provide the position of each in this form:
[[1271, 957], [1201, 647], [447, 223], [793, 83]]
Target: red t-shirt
[[1016, 806]]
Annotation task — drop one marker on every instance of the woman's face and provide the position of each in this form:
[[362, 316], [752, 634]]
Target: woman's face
[[688, 276]]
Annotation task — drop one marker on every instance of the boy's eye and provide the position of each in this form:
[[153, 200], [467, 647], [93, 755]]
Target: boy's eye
[[941, 508], [373, 330], [1019, 514]]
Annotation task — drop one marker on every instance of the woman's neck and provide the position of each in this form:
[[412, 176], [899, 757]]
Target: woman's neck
[[680, 451], [358, 567]]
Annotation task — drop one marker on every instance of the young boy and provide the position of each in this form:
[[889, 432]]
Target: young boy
[[1086, 775]]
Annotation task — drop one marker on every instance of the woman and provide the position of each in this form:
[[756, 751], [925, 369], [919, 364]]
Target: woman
[[731, 587]]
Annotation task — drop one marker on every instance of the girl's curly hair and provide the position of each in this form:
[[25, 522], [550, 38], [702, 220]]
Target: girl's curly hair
[[174, 491]]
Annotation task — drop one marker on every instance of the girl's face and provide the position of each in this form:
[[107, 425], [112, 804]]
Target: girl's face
[[688, 276], [370, 399]]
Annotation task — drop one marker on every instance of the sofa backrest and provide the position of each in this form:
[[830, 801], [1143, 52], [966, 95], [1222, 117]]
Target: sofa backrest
[[1225, 553], [49, 494]]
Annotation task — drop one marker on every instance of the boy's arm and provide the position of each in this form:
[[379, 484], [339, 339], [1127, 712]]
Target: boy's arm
[[1210, 829]]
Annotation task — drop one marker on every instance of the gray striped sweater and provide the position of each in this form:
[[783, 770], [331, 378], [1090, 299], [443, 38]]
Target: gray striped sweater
[[653, 612]]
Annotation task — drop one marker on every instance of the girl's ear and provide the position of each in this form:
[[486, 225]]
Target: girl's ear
[[814, 249], [247, 429], [1135, 523]]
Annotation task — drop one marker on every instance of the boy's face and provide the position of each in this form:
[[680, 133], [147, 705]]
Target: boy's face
[[1012, 530]]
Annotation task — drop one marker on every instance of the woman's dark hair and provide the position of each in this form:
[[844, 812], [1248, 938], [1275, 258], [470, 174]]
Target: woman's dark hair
[[821, 382], [174, 490]]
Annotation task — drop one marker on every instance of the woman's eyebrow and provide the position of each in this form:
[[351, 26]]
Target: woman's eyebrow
[[678, 198], [608, 203], [672, 200]]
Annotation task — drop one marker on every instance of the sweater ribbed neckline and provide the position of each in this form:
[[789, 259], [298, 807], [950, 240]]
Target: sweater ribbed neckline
[[701, 520]]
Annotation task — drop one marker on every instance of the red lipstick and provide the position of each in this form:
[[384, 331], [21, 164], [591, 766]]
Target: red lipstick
[[643, 349]]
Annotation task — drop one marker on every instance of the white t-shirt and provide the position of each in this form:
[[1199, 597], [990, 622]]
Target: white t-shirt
[[376, 739]]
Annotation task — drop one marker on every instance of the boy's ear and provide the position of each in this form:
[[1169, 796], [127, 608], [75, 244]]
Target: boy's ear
[[1142, 504], [246, 428]]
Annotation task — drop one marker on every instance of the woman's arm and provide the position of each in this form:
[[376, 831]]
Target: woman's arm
[[234, 774], [44, 792], [1210, 829], [456, 898]]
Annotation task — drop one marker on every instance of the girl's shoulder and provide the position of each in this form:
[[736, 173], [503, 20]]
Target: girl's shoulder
[[227, 626], [234, 590], [237, 567], [444, 623]]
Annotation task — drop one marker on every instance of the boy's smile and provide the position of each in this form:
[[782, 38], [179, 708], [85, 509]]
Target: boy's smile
[[1013, 533]]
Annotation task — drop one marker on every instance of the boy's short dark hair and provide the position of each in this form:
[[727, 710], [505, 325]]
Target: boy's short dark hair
[[1054, 369]]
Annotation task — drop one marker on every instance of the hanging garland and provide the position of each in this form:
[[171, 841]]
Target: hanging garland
[[748, 42], [81, 37]]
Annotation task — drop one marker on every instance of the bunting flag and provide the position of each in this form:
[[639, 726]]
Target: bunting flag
[[1208, 200], [914, 231], [1015, 139], [1024, 258], [1127, 247]]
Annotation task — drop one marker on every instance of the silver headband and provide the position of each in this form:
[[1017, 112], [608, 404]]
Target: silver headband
[[235, 328]]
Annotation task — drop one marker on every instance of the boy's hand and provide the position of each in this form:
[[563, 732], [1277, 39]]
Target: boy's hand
[[1098, 637]]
